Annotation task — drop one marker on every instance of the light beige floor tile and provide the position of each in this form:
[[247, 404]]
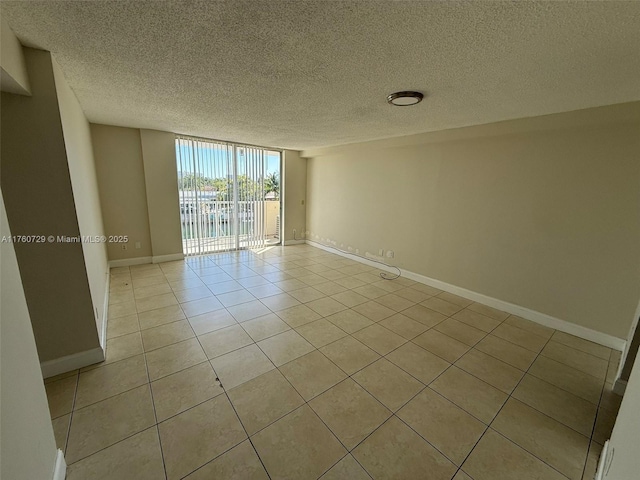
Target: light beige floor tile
[[263, 400], [191, 294], [109, 380], [441, 306], [124, 346], [276, 303], [255, 281], [444, 425], [157, 301], [306, 294], [60, 395], [329, 287], [138, 457], [104, 423], [264, 291], [488, 311], [185, 283], [477, 320], [413, 295], [579, 383], [161, 316], [284, 347], [204, 305], [55, 378], [248, 311], [326, 306], [394, 302], [442, 345], [164, 335], [235, 298], [332, 275], [148, 280], [388, 286], [290, 285], [61, 430], [350, 298], [426, 316], [347, 468], [471, 394], [239, 463], [403, 326], [395, 451], [193, 438], [350, 412], [370, 291], [121, 309], [529, 326], [549, 440], [493, 371], [312, 374], [298, 446], [349, 354], [320, 333], [520, 337], [241, 366], [379, 339], [227, 285], [462, 476], [122, 325], [506, 351], [349, 320], [388, 383], [350, 282], [374, 311], [224, 341], [582, 345], [576, 359], [455, 299], [559, 404], [176, 393], [298, 315], [265, 326], [418, 362], [496, 458], [460, 331], [605, 421], [151, 290], [173, 358], [212, 321]]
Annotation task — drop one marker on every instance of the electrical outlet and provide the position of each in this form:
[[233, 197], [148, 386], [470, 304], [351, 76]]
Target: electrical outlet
[[138, 245], [390, 253], [381, 253]]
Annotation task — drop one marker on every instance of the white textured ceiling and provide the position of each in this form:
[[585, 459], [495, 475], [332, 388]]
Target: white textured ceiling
[[302, 74]]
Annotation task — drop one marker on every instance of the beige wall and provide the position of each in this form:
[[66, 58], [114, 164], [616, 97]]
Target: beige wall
[[39, 200], [13, 71], [77, 139], [294, 192], [543, 213], [26, 436], [161, 179], [118, 157]]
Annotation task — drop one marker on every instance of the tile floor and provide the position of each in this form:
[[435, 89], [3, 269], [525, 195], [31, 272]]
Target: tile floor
[[293, 363]]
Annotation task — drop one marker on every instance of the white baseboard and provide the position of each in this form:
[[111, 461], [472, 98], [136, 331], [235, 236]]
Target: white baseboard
[[293, 242], [65, 364], [127, 262], [105, 313], [619, 387], [167, 258], [538, 317], [602, 462], [60, 469]]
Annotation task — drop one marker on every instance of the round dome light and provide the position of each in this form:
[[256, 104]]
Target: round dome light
[[404, 99]]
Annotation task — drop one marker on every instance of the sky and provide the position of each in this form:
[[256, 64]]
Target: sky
[[214, 159]]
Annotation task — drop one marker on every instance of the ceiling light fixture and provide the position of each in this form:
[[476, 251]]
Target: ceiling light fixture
[[404, 99]]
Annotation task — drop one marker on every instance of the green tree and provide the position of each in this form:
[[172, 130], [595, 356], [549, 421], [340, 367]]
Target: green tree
[[272, 184]]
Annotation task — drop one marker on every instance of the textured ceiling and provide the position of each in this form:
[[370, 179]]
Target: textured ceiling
[[302, 74]]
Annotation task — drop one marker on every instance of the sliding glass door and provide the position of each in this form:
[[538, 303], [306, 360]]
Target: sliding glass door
[[229, 195]]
